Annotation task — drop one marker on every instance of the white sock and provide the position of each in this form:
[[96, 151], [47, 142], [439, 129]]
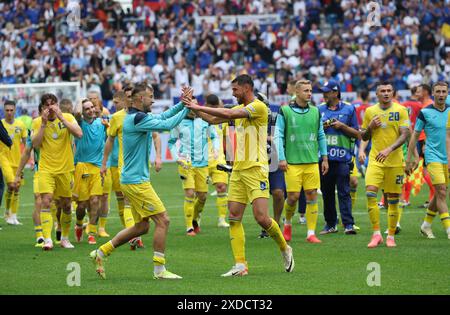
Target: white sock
[[288, 222], [48, 240], [390, 237], [425, 225], [64, 238], [189, 229], [448, 231], [241, 266], [100, 253], [377, 232], [311, 232], [159, 268]]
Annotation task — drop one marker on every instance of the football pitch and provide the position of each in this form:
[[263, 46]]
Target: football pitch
[[342, 264]]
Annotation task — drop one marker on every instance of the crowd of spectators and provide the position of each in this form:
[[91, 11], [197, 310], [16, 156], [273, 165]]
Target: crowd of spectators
[[169, 47]]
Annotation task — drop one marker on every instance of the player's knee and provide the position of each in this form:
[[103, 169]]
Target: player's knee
[[441, 191], [189, 193], [221, 188]]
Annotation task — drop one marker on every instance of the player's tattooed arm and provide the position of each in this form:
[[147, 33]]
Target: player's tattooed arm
[[382, 155]]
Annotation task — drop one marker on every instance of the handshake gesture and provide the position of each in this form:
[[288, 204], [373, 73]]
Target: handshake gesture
[[187, 98]]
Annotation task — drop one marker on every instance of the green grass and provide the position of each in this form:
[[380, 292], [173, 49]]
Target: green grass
[[337, 266]]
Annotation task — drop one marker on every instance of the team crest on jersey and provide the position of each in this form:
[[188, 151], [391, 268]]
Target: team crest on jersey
[[263, 185], [17, 130], [61, 125]]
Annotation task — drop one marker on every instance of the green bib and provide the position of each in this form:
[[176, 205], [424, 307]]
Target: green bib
[[300, 135]]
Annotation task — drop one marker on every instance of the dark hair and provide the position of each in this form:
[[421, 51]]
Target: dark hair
[[212, 99], [48, 96], [120, 95], [380, 83], [66, 106], [128, 88], [364, 94], [292, 82], [9, 102], [243, 79], [141, 87], [414, 89], [426, 87]]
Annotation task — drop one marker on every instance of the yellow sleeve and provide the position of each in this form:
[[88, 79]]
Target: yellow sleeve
[[36, 124], [448, 120], [24, 132], [112, 130], [404, 118], [69, 117], [367, 119], [256, 109]]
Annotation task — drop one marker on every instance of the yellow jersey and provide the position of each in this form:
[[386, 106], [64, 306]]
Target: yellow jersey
[[16, 131], [221, 131], [115, 130], [251, 137], [56, 152], [392, 119]]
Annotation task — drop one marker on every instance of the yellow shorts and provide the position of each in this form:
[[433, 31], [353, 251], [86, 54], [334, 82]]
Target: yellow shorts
[[88, 181], [195, 178], [354, 170], [248, 185], [36, 183], [9, 172], [302, 175], [111, 181], [60, 185], [438, 173], [143, 200], [216, 175], [388, 178]]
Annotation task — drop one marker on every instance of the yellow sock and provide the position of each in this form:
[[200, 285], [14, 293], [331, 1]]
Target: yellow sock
[[237, 237], [430, 216], [120, 207], [66, 220], [15, 202], [289, 212], [275, 233], [353, 196], [8, 201], [445, 219], [374, 211], [222, 204], [47, 223], [74, 205], [198, 208], [158, 259], [102, 222], [107, 248], [38, 231], [392, 215], [53, 211], [92, 229], [128, 217], [400, 212], [311, 214], [80, 222], [188, 211]]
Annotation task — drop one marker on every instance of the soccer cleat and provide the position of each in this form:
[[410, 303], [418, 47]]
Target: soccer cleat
[[238, 270], [302, 220], [133, 243], [196, 226], [287, 232], [16, 222], [288, 259], [48, 245], [91, 240], [426, 204], [356, 228], [350, 230], [427, 232], [10, 220], [328, 229], [166, 274], [381, 205], [140, 243], [66, 244], [398, 229], [98, 262], [223, 224], [313, 239], [39, 242], [78, 233], [263, 234], [102, 233], [376, 240], [390, 242], [190, 232]]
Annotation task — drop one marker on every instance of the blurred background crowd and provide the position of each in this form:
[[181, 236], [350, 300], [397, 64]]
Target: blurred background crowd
[[168, 44]]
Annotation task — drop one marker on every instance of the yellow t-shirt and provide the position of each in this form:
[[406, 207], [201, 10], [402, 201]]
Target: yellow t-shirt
[[392, 119], [56, 153], [16, 131], [251, 137], [220, 130], [115, 130]]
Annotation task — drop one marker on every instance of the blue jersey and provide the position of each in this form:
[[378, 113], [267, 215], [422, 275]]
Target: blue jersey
[[113, 159], [340, 146], [434, 122], [193, 135], [89, 148], [137, 129]]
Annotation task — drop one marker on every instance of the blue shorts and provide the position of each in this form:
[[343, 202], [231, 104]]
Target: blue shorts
[[276, 180]]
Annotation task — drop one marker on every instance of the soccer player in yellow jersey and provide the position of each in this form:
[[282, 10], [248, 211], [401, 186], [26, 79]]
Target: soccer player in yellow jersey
[[387, 124], [51, 134], [9, 160], [219, 178], [249, 179]]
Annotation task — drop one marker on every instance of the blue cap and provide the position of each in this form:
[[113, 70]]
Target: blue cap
[[330, 86]]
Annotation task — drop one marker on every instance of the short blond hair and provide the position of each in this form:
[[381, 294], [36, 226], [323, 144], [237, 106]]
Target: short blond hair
[[302, 82]]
